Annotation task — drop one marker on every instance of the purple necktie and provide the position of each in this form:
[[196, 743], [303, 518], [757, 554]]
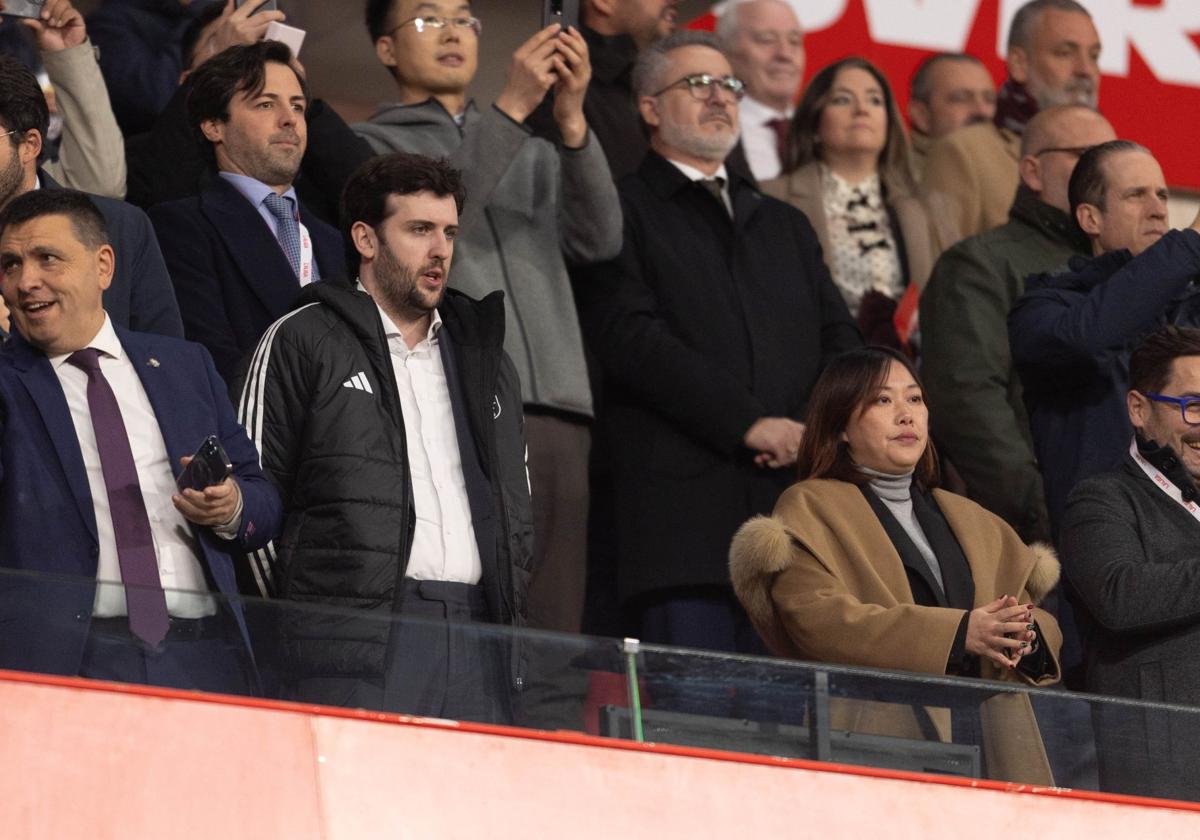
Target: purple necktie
[[782, 129], [135, 545]]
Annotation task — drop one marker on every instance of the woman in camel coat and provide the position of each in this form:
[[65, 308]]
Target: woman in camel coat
[[865, 563]]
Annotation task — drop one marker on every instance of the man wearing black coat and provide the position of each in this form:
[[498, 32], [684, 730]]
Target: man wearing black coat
[[1071, 333], [1129, 541], [711, 328], [241, 250]]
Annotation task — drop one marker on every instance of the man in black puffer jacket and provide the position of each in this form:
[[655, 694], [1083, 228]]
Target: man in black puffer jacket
[[390, 419]]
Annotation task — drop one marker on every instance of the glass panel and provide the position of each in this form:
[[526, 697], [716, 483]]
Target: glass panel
[[483, 673]]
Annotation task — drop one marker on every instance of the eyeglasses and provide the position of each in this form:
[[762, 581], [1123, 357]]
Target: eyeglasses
[[14, 131], [1189, 407], [1077, 151], [433, 23], [702, 85]]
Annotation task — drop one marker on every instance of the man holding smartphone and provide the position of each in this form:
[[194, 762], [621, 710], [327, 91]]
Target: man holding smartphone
[[535, 206], [95, 424]]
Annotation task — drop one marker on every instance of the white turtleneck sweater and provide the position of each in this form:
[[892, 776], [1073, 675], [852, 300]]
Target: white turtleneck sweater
[[895, 491]]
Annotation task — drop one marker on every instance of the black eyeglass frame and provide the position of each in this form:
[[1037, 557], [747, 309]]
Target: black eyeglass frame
[[707, 83]]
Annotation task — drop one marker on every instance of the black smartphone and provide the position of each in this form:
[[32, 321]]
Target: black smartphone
[[208, 467], [565, 12], [260, 5], [23, 8]]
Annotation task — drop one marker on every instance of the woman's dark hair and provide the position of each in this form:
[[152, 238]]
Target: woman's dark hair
[[844, 389], [365, 196], [804, 144]]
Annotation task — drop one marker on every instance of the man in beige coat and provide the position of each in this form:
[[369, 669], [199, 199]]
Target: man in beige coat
[[971, 175], [91, 153]]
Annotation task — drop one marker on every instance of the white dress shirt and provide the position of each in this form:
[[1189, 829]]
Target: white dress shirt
[[444, 546], [759, 140], [174, 543], [694, 174]]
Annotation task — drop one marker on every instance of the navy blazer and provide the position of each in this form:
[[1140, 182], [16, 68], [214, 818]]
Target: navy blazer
[[141, 297], [47, 521], [231, 277]]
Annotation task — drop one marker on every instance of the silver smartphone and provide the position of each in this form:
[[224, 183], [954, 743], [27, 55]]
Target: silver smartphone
[[23, 8]]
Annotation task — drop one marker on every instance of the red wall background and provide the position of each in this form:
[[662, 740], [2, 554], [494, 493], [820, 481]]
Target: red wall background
[[1161, 115]]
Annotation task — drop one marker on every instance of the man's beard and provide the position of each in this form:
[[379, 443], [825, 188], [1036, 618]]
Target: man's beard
[[11, 178], [397, 284], [274, 166], [1075, 92], [704, 145]]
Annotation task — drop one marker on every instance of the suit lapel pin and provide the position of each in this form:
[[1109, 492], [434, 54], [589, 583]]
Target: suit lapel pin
[[154, 362]]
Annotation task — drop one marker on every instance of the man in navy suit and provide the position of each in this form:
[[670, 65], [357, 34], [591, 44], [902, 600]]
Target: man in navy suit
[[95, 425], [240, 251], [140, 297]]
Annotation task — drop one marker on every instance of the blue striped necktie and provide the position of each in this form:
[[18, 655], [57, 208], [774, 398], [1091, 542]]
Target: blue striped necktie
[[289, 228]]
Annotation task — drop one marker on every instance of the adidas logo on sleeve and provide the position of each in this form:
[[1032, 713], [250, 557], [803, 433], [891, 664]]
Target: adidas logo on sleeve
[[359, 381]]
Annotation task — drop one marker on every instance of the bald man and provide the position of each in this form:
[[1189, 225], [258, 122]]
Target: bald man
[[979, 415]]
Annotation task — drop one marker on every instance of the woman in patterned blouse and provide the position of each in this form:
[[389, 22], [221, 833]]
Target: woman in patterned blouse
[[848, 169]]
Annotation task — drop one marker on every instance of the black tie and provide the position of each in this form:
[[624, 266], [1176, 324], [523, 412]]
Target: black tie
[[715, 187]]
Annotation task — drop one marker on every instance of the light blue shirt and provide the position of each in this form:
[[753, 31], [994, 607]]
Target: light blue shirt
[[255, 192]]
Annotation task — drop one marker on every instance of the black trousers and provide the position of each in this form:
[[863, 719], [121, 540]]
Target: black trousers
[[205, 654], [442, 661]]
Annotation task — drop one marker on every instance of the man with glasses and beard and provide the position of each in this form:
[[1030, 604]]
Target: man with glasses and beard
[[389, 416], [710, 329], [1129, 555]]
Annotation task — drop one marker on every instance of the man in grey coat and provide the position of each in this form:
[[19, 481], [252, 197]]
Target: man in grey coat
[[1129, 550], [533, 207]]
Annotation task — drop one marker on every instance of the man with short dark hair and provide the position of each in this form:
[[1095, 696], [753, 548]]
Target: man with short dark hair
[[1129, 543], [711, 328], [1071, 333], [971, 175], [978, 415], [241, 250], [765, 44], [96, 424], [948, 91], [140, 296], [536, 207], [615, 30], [390, 417]]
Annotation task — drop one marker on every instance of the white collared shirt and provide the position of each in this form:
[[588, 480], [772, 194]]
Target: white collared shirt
[[444, 546], [694, 174], [174, 543], [759, 140]]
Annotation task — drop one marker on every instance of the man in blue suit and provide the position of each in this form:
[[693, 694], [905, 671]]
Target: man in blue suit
[[240, 251], [141, 297], [109, 571]]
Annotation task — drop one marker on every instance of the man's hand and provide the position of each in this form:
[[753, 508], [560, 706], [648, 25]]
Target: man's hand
[[776, 439], [530, 74], [4, 322], [233, 28], [211, 506], [58, 27], [573, 67]]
